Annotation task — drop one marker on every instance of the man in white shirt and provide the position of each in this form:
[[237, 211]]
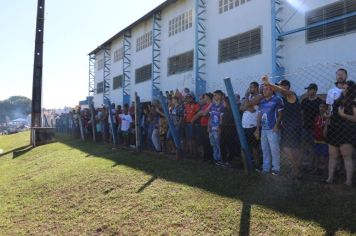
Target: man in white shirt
[[126, 121], [335, 93], [249, 121]]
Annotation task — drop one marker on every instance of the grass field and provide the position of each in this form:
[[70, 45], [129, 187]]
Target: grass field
[[76, 188]]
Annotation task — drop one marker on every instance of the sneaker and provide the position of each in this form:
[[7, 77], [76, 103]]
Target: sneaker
[[275, 172], [219, 163]]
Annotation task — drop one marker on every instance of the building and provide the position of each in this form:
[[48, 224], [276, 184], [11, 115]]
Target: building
[[197, 43]]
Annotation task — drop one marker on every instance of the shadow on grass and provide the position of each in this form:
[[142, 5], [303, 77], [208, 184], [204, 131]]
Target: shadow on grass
[[18, 151], [331, 207]]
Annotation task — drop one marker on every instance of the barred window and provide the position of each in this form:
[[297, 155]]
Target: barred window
[[241, 45], [119, 54], [330, 11], [180, 63], [180, 23], [100, 64], [100, 87], [143, 74], [226, 5], [117, 82], [144, 41]]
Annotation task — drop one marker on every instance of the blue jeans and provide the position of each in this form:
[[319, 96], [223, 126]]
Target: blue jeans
[[271, 150], [214, 137]]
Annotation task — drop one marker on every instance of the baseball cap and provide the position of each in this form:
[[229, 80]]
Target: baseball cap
[[312, 86]]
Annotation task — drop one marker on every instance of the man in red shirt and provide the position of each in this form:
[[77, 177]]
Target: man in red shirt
[[190, 109], [204, 122]]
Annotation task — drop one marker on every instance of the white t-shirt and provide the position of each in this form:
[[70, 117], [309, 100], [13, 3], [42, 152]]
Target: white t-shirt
[[249, 119], [126, 120], [333, 94]]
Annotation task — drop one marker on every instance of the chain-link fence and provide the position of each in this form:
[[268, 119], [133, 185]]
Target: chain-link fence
[[300, 127]]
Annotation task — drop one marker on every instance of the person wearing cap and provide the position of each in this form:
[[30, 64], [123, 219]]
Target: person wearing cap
[[335, 93], [291, 125], [310, 109]]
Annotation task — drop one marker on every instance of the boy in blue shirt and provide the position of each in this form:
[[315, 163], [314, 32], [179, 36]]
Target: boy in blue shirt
[[268, 120], [216, 112]]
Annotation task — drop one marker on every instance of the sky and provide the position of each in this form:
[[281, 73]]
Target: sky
[[73, 28]]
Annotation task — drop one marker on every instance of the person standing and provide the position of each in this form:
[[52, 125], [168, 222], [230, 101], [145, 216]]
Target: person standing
[[291, 125], [203, 114], [190, 109], [268, 121], [249, 122], [310, 109], [336, 92], [126, 123], [230, 143], [216, 113], [341, 132]]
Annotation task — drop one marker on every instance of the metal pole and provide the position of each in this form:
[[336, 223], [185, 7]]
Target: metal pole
[[112, 128], [137, 122], [171, 126], [36, 119], [238, 124]]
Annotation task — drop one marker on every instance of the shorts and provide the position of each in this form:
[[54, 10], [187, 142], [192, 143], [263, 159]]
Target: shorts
[[321, 149], [250, 137]]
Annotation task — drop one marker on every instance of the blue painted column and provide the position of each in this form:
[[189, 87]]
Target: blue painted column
[[171, 126], [238, 124]]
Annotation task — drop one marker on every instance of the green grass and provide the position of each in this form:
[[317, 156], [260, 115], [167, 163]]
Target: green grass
[[76, 188]]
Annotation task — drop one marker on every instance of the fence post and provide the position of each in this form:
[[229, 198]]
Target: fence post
[[113, 131], [81, 128], [137, 122], [238, 124], [172, 129], [92, 119]]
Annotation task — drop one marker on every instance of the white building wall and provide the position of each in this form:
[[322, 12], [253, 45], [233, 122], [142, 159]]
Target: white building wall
[[99, 76], [297, 53], [116, 95], [175, 45], [235, 21], [313, 56]]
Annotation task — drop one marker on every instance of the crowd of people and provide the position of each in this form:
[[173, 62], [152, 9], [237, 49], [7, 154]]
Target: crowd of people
[[277, 124]]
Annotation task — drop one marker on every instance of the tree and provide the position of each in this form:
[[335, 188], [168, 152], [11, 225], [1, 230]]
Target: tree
[[15, 107]]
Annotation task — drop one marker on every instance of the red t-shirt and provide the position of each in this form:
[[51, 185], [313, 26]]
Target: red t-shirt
[[189, 111], [204, 120], [319, 124]]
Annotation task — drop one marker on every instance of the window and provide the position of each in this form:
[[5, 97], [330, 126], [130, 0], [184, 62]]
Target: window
[[226, 5], [143, 74], [100, 64], [180, 63], [100, 87], [118, 54], [180, 23], [241, 45], [330, 11], [144, 41], [117, 82]]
